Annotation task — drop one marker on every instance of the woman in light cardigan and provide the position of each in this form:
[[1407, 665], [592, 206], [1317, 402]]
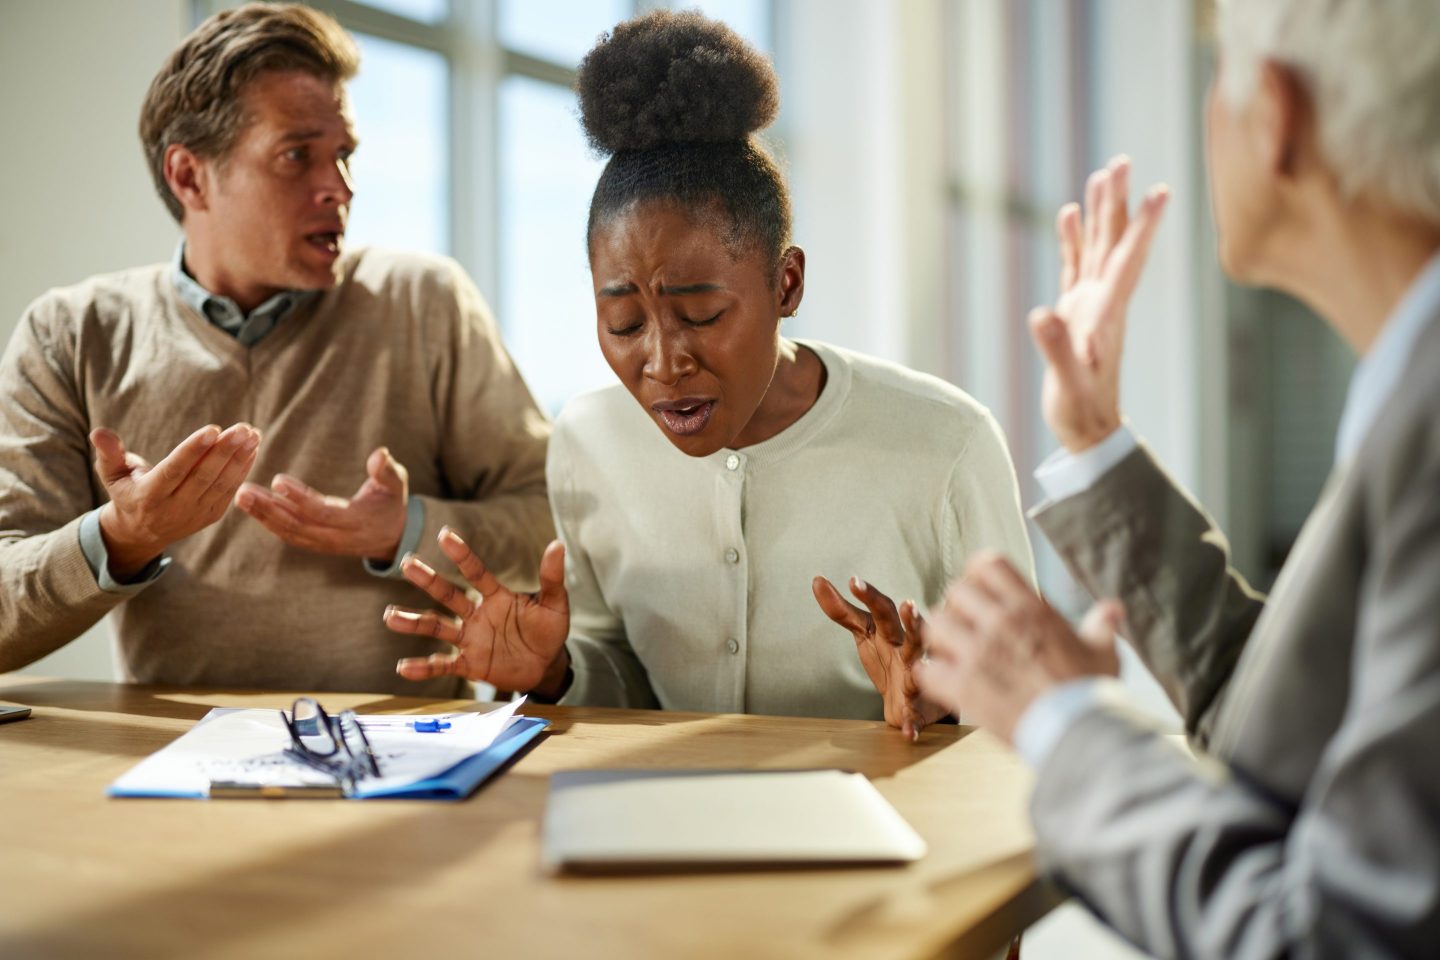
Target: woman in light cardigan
[[733, 471]]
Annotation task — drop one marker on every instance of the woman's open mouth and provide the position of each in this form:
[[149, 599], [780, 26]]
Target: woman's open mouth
[[685, 417]]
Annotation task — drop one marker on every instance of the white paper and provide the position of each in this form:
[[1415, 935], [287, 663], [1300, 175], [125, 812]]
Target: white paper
[[248, 746]]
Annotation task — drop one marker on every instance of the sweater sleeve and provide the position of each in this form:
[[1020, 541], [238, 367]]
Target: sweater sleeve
[[48, 592], [492, 445], [607, 671], [983, 504]]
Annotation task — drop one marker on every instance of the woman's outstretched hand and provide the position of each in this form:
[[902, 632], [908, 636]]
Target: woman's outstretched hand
[[511, 640], [889, 641]]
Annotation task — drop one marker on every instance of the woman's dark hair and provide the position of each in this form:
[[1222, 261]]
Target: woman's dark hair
[[675, 99]]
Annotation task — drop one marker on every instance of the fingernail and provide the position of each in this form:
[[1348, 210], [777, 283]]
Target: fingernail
[[244, 499], [389, 609], [859, 584]]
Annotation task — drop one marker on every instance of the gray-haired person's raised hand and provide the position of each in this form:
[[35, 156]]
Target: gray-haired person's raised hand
[[1082, 337], [151, 507]]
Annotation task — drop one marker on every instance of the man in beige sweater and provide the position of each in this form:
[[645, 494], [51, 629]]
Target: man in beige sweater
[[334, 371]]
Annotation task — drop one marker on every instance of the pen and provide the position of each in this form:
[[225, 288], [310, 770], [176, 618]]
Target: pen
[[434, 725]]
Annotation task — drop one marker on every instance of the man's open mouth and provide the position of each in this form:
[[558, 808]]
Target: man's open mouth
[[327, 240]]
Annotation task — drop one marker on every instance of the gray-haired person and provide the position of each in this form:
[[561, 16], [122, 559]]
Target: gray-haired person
[[1307, 824]]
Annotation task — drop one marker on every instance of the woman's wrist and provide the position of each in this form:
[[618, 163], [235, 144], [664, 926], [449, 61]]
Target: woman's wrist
[[559, 675]]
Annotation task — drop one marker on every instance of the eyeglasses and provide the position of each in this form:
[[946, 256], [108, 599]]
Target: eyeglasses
[[334, 745]]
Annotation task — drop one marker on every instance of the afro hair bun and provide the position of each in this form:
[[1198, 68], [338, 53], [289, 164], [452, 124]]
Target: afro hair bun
[[670, 78]]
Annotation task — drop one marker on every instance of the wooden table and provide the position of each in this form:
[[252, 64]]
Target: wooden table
[[84, 875]]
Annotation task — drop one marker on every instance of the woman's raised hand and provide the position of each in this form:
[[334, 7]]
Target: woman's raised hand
[[889, 641], [1082, 337], [505, 638]]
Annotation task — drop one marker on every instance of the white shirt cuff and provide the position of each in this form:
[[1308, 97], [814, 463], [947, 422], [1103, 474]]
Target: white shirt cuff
[[92, 545], [1045, 721], [1066, 474]]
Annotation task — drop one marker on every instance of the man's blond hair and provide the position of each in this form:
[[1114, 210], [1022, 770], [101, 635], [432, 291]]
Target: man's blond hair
[[196, 98]]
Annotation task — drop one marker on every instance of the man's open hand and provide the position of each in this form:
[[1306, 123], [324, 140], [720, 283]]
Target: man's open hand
[[368, 524]]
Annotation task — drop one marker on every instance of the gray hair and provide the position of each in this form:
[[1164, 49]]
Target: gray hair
[[1372, 68]]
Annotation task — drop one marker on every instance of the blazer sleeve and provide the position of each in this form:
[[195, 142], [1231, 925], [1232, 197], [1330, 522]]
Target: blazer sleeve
[[48, 593], [1137, 536], [1190, 859], [607, 670]]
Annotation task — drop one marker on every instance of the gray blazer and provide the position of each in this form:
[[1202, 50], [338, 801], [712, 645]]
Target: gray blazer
[[1309, 826]]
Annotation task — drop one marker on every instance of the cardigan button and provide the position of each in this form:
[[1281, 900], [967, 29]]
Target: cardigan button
[[733, 646], [732, 462], [732, 555]]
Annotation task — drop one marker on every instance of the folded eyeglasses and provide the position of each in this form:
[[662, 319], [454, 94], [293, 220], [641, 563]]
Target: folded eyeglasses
[[333, 745]]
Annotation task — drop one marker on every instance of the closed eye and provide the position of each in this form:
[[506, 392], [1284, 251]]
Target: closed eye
[[704, 323], [631, 330]]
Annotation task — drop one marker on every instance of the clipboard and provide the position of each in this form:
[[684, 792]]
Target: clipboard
[[233, 753]]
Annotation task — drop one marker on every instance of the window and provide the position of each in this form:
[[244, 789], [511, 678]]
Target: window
[[402, 169], [425, 11], [558, 31], [547, 174]]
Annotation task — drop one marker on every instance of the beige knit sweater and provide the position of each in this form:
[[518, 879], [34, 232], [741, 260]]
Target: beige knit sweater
[[403, 352]]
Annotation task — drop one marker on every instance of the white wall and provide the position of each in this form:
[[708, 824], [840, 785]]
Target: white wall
[[862, 102], [75, 192], [840, 132], [1143, 79]]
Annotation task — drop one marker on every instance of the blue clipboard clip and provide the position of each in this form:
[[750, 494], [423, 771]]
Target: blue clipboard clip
[[431, 726]]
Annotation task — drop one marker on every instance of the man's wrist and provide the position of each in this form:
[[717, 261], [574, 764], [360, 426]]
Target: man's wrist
[[384, 556], [1092, 435], [1045, 719], [412, 529], [1064, 474], [126, 556]]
